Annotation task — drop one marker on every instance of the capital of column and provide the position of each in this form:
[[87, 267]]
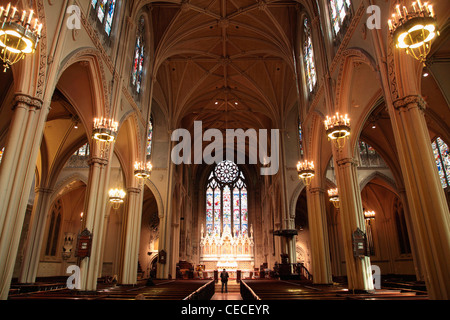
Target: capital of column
[[26, 101], [133, 190], [97, 160], [43, 190], [315, 190], [410, 102], [346, 161]]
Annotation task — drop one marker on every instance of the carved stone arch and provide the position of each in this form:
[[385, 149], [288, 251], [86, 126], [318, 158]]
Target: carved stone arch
[[377, 174], [66, 181], [92, 57], [294, 197], [158, 197], [348, 58]]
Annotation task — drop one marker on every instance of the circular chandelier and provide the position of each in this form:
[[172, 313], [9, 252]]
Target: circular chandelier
[[116, 197], [105, 130], [19, 34], [337, 129], [142, 170], [415, 29], [334, 197], [306, 171], [368, 215]]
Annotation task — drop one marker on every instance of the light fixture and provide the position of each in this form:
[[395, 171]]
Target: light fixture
[[306, 171], [337, 128], [369, 215], [142, 170], [19, 34], [105, 130], [334, 197], [415, 29], [116, 197], [425, 74]]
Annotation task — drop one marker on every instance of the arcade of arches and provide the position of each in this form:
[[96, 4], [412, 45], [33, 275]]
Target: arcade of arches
[[158, 66]]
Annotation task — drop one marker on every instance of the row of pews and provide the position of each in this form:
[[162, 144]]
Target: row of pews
[[299, 290], [158, 290]]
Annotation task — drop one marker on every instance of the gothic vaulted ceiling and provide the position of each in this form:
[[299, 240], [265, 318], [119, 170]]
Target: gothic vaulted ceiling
[[228, 63]]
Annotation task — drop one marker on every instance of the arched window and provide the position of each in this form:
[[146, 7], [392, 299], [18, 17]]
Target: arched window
[[138, 60], [308, 56], [83, 151], [105, 13], [442, 157], [338, 11], [149, 136], [54, 227], [226, 200], [300, 137]]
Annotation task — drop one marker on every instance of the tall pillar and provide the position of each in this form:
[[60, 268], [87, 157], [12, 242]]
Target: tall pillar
[[94, 218], [131, 235], [320, 250], [429, 213], [16, 178], [35, 238], [359, 273]]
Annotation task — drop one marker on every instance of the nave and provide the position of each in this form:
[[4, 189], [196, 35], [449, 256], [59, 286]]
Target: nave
[[248, 289]]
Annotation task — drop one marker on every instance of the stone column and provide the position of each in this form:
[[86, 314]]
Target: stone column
[[359, 271], [35, 236], [429, 213], [16, 178], [131, 236], [320, 250], [94, 218]]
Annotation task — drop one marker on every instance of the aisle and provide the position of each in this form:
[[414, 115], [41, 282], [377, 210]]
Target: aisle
[[234, 292]]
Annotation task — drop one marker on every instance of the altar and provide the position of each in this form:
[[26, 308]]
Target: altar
[[232, 253]]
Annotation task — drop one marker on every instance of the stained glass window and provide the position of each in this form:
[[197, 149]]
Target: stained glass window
[[339, 10], [105, 8], [149, 137], [300, 137], [110, 16], [226, 200], [442, 157], [308, 56], [83, 151], [138, 61]]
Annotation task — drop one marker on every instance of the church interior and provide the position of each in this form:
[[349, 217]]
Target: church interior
[[120, 178]]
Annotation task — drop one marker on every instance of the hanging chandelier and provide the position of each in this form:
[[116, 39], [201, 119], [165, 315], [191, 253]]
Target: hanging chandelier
[[142, 170], [116, 197], [414, 30], [334, 197], [306, 171], [19, 34], [337, 128], [105, 130], [368, 215]]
